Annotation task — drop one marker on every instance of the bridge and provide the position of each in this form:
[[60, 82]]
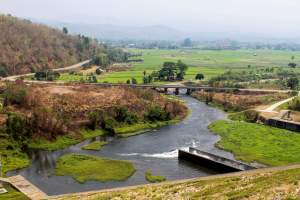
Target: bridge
[[24, 186]]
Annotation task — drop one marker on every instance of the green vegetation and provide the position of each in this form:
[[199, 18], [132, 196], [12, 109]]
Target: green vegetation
[[60, 142], [153, 179], [96, 145], [261, 63], [12, 156], [258, 185], [90, 168], [250, 116], [12, 194], [136, 129], [254, 142], [292, 105], [88, 133]]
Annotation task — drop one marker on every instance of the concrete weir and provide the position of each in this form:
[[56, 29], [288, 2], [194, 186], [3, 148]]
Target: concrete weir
[[212, 161]]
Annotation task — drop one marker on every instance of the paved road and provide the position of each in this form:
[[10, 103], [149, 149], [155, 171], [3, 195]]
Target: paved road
[[15, 77]]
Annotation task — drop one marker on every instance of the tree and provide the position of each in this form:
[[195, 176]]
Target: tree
[[171, 71], [187, 42], [292, 64], [101, 60], [99, 71], [199, 77], [128, 81], [133, 81], [292, 83], [65, 30]]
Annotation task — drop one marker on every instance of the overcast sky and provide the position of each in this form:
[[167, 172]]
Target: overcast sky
[[265, 17]]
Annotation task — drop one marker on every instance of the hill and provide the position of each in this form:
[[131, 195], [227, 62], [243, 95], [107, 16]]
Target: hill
[[28, 47], [106, 31]]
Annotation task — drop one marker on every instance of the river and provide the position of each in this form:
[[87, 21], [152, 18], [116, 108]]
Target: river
[[155, 150]]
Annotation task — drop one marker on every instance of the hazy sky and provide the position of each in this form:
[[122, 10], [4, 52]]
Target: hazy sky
[[265, 17]]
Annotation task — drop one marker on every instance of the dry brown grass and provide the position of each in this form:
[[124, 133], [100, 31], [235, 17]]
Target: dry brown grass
[[241, 100]]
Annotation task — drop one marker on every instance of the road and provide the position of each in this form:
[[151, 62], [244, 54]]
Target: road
[[72, 67], [271, 108]]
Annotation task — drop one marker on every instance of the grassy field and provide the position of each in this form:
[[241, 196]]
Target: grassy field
[[259, 185], [254, 142], [210, 63], [87, 168]]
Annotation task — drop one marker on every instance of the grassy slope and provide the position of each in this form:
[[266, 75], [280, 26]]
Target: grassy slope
[[255, 142], [96, 145], [12, 195], [210, 63], [84, 168], [271, 185]]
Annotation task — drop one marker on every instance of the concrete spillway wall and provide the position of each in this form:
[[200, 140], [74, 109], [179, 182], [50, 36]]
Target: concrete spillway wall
[[284, 124], [212, 161]]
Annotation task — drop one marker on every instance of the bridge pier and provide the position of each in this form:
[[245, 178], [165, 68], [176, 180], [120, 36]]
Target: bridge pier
[[188, 91], [166, 90], [176, 91]]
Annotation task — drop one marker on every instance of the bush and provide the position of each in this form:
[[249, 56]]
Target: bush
[[15, 94], [156, 113], [96, 119], [109, 124], [250, 116], [294, 104], [124, 115], [17, 127]]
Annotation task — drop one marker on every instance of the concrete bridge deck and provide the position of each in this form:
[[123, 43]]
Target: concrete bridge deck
[[24, 186]]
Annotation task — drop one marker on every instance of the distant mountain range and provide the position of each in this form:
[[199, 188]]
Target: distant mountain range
[[119, 32]]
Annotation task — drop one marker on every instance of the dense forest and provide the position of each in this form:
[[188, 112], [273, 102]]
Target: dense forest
[[28, 47]]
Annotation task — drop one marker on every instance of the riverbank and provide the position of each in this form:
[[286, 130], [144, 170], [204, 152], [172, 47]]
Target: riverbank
[[269, 183], [252, 142]]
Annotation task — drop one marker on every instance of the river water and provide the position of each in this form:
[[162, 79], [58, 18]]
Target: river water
[[155, 150]]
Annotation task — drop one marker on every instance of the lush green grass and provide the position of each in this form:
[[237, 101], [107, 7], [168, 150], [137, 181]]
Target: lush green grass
[[210, 63], [90, 168], [135, 129], [12, 194], [254, 142], [61, 142], [87, 133], [96, 145], [153, 179], [12, 156]]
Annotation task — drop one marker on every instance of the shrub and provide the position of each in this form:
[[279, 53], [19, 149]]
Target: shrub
[[109, 124], [156, 113], [15, 94], [96, 119], [294, 104], [134, 81], [124, 115], [250, 116], [17, 127]]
